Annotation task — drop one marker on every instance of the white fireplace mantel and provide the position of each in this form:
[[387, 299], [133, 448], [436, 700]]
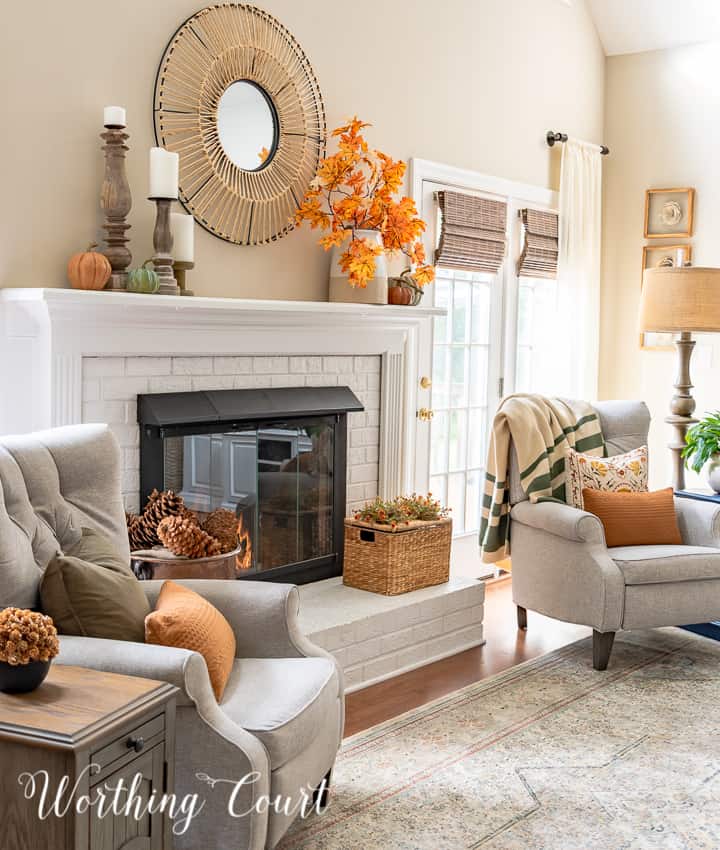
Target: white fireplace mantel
[[48, 332]]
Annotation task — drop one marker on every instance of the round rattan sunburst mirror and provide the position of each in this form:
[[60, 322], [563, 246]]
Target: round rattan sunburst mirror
[[237, 98]]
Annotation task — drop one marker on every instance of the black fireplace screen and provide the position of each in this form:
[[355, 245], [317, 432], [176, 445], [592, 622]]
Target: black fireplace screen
[[284, 477], [278, 479]]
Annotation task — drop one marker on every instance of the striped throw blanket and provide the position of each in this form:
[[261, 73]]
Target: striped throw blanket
[[542, 430]]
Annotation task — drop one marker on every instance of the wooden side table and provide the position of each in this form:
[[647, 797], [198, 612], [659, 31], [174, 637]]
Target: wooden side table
[[77, 718], [711, 630]]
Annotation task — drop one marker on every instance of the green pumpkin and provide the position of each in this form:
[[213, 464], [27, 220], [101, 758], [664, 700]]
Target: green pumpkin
[[143, 279]]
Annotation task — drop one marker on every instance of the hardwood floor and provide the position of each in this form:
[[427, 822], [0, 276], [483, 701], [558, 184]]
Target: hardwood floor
[[506, 646]]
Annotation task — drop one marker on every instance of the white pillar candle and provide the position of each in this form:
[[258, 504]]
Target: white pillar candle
[[114, 116], [183, 231], [164, 171]]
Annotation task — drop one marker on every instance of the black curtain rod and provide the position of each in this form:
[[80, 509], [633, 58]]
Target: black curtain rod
[[562, 137]]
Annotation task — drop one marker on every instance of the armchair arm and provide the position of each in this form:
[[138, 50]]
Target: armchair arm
[[263, 615], [699, 522], [561, 566], [561, 520], [180, 667]]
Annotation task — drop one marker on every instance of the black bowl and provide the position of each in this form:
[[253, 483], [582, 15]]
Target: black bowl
[[22, 678]]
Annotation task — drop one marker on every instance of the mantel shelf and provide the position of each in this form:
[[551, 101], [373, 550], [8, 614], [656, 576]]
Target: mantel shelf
[[80, 301]]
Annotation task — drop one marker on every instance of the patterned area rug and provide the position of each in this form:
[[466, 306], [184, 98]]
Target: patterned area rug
[[550, 755]]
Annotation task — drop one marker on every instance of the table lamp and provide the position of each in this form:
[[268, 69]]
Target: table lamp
[[682, 300]]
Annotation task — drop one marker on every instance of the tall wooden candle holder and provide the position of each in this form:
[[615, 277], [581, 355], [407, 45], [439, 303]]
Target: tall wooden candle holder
[[116, 202], [163, 245]]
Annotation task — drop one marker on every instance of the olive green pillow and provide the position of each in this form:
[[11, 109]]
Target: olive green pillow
[[90, 590]]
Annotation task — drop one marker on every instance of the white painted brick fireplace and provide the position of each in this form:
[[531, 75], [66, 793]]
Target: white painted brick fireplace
[[68, 357], [110, 386]]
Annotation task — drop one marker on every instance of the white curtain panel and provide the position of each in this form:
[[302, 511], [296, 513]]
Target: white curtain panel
[[577, 331]]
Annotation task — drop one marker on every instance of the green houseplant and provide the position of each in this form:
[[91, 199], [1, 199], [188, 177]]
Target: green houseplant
[[703, 447]]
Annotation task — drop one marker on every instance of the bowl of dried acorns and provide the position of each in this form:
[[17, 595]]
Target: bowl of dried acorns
[[28, 643]]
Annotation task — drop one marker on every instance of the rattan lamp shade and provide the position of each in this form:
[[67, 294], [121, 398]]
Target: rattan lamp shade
[[684, 299]]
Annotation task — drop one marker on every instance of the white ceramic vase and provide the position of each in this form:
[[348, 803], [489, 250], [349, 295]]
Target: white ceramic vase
[[713, 472], [376, 292]]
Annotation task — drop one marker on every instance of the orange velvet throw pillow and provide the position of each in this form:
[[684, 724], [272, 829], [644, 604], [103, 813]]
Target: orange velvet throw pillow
[[635, 519], [182, 618]]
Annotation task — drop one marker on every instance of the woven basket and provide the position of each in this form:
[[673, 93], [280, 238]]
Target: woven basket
[[388, 561]]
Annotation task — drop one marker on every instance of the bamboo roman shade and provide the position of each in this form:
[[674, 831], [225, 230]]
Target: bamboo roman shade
[[472, 233], [539, 257]]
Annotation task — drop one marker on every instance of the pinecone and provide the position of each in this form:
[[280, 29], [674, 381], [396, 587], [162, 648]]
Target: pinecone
[[142, 530], [183, 536], [160, 505], [222, 524], [139, 536]]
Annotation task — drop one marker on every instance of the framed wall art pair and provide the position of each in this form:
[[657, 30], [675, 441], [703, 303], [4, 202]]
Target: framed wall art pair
[[668, 215]]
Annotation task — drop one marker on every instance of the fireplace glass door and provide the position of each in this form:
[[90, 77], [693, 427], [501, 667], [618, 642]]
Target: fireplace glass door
[[277, 478]]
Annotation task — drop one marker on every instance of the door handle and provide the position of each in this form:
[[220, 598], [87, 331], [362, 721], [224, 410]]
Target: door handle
[[425, 414]]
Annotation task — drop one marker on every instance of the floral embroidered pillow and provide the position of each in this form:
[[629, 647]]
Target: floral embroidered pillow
[[626, 473]]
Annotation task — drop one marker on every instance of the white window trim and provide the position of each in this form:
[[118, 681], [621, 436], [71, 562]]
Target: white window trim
[[460, 178]]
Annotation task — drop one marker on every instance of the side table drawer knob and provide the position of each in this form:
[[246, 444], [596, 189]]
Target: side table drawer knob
[[136, 744]]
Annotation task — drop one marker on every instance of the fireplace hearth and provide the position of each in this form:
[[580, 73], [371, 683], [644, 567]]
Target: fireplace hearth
[[276, 457]]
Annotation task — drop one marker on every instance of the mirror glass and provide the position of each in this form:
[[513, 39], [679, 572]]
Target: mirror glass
[[247, 125]]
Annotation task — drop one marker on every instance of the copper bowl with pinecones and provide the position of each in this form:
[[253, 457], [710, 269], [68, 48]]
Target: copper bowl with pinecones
[[169, 541], [161, 563]]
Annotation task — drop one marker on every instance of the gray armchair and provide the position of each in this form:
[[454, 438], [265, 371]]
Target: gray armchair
[[282, 713], [562, 568]]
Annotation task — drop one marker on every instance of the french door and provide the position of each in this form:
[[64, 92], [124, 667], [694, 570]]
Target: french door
[[465, 385], [491, 342]]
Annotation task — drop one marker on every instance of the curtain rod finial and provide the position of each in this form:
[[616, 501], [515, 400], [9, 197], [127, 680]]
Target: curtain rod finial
[[553, 137]]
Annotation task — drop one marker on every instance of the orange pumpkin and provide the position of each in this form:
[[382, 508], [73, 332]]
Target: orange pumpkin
[[89, 270], [399, 295]]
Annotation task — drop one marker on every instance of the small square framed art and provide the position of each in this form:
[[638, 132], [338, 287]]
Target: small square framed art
[[669, 212]]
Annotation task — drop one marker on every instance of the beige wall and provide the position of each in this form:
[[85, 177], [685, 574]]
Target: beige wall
[[473, 83], [662, 123]]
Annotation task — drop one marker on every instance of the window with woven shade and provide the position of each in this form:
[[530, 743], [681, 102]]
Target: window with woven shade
[[472, 232], [539, 257]]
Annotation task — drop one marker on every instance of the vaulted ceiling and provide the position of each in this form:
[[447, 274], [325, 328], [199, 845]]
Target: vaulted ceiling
[[633, 26]]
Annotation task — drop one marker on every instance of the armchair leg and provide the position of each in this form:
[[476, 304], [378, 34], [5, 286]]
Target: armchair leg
[[321, 795], [522, 617], [602, 647]]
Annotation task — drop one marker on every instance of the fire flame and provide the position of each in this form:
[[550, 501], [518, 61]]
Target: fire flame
[[244, 558]]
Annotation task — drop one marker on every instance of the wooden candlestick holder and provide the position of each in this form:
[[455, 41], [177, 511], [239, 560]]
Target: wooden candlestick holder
[[163, 245], [180, 267], [115, 202]]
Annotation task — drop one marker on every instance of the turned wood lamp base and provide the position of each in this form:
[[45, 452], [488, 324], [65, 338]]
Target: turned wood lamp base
[[682, 408]]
